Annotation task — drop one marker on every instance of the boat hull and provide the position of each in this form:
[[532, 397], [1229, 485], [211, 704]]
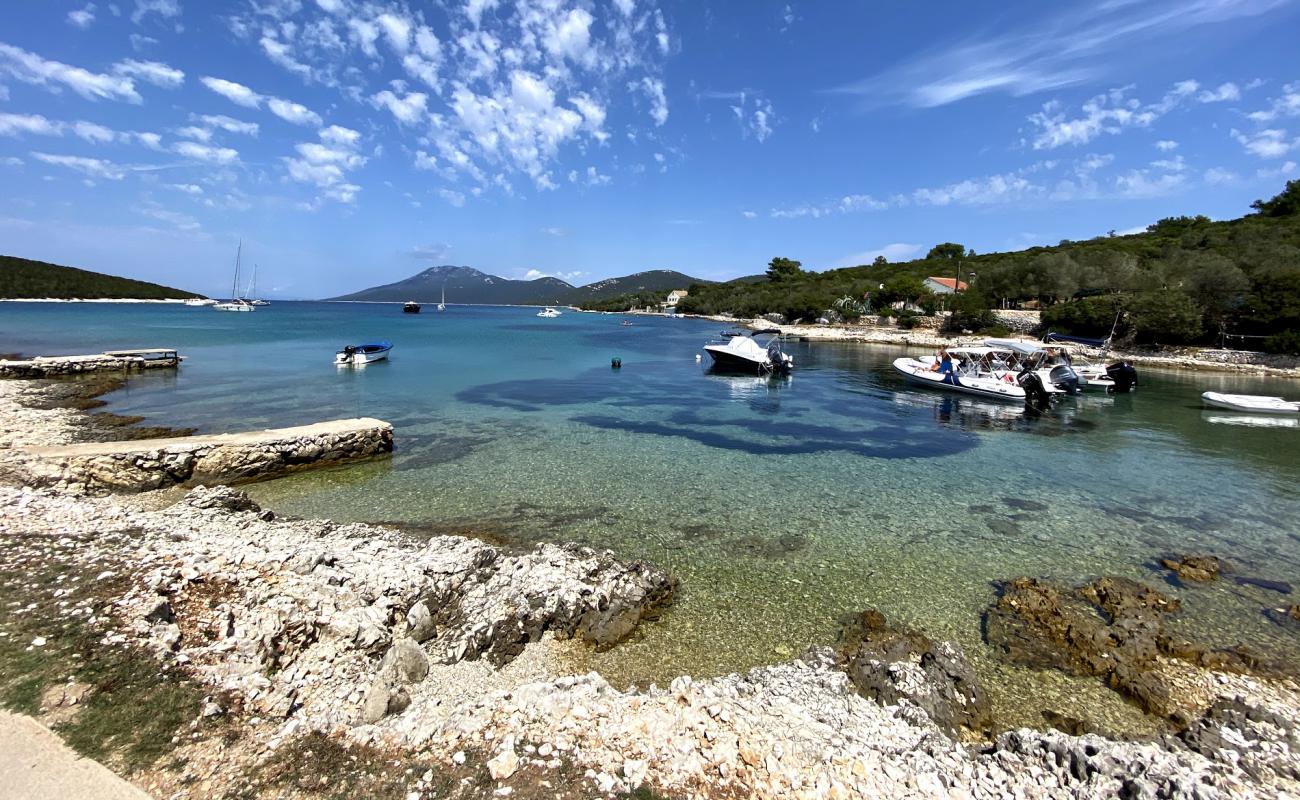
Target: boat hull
[[234, 307], [918, 374], [726, 359], [1251, 404]]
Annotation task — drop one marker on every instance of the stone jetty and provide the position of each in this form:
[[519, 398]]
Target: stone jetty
[[110, 361], [142, 465]]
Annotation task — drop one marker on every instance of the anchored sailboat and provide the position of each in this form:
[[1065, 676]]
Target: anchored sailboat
[[236, 303], [442, 304]]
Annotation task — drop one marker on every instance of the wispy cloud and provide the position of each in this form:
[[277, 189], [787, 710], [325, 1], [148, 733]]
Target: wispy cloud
[[1063, 49], [1108, 113], [55, 76], [897, 251], [94, 167]]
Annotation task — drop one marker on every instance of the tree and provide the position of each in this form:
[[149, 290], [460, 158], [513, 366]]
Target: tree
[[880, 261], [1285, 204], [1165, 316], [784, 269], [946, 250]]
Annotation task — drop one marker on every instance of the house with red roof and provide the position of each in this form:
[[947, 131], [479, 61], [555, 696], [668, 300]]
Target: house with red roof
[[945, 285]]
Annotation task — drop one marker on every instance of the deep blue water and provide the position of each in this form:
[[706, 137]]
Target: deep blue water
[[781, 504]]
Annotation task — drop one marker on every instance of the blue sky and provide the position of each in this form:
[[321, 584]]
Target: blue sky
[[355, 142]]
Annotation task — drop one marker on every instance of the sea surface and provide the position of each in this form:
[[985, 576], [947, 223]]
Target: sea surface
[[781, 505]]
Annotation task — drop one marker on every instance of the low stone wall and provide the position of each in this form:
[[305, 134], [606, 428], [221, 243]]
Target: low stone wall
[[1018, 321], [142, 465], [55, 366]]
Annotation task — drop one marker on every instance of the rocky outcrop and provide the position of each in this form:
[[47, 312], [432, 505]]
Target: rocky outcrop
[[56, 366], [1112, 628], [142, 465], [346, 621], [893, 664], [1196, 569]]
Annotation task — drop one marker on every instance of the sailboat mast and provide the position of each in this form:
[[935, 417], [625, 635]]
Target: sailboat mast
[[252, 285], [234, 285]]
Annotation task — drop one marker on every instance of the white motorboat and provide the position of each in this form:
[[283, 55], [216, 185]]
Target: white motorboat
[[1046, 362], [200, 301], [362, 353], [978, 371], [1117, 377], [737, 350], [236, 302], [548, 312], [1251, 403]]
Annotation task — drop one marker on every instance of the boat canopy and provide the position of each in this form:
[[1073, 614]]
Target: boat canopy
[[777, 331], [1061, 337]]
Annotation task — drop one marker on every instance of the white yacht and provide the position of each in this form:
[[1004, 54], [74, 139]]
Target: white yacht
[[200, 301], [548, 312], [737, 350], [442, 304], [236, 302]]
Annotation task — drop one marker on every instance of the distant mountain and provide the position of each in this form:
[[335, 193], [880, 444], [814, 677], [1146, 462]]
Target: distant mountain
[[466, 285], [22, 278], [656, 280]]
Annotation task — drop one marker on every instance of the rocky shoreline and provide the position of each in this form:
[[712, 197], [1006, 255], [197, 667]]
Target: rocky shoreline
[[449, 652]]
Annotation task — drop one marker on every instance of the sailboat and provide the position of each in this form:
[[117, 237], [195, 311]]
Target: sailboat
[[252, 290], [442, 304], [236, 303]]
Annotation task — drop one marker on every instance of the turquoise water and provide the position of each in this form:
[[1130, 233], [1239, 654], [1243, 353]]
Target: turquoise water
[[780, 504]]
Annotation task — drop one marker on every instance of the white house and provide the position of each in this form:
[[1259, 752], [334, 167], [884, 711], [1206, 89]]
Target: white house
[[945, 285], [674, 296]]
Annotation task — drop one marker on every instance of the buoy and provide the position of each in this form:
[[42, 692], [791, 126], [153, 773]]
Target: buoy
[[698, 357], [616, 363]]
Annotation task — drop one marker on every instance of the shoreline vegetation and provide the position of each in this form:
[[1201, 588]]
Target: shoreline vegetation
[[205, 647]]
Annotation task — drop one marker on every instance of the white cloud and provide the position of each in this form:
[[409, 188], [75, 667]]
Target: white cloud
[[397, 30], [453, 197], [981, 191], [556, 232], [754, 121], [425, 161], [228, 124], [338, 135], [154, 72], [325, 164], [1270, 143], [139, 42], [83, 17], [1175, 164], [1217, 176], [187, 188], [406, 110], [94, 167], [1068, 45], [569, 37], [167, 9], [234, 92], [845, 205], [1286, 105], [1225, 93], [178, 220], [897, 251], [282, 54], [34, 124], [93, 133], [1108, 113], [194, 132], [293, 112], [654, 89], [54, 75], [208, 153], [749, 214], [1165, 145], [1138, 184]]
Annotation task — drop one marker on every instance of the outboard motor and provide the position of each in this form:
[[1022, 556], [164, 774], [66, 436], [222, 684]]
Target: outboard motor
[[780, 361], [1036, 395], [1124, 376], [1065, 378]]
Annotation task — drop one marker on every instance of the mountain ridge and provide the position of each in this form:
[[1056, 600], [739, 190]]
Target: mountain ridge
[[29, 279], [471, 286]]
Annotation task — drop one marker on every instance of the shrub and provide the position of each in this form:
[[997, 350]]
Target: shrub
[[907, 319], [1287, 342], [1165, 316], [1091, 316]]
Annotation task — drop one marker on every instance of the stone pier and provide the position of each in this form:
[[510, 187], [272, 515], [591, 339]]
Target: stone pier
[[144, 464], [111, 361]]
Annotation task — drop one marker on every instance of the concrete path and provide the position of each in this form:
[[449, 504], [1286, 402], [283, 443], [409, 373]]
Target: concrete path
[[35, 764]]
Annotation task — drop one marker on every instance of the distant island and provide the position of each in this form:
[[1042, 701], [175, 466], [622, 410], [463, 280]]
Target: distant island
[[25, 279], [468, 285]]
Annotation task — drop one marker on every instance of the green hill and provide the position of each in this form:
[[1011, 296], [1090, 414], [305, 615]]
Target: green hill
[[22, 278], [1183, 280], [637, 290]]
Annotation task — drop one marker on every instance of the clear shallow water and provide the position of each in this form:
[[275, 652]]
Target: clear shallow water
[[781, 505]]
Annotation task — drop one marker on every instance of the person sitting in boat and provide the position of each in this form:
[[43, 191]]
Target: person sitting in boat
[[942, 362]]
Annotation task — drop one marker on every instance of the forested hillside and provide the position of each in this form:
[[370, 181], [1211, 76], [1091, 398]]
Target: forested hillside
[[1183, 280], [24, 278]]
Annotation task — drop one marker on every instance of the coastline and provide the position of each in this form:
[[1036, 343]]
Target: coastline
[[86, 300], [1187, 358], [293, 631]]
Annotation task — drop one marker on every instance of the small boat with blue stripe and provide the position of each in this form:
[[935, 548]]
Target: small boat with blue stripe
[[355, 354]]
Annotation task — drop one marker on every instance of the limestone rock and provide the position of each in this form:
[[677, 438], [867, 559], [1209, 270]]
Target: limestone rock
[[419, 623], [406, 661], [889, 664], [1198, 569]]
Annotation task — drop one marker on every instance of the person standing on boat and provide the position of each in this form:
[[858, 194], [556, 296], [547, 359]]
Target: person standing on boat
[[943, 362]]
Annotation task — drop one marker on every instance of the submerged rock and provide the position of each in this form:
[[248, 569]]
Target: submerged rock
[[1281, 587], [1198, 569], [890, 664], [1112, 628]]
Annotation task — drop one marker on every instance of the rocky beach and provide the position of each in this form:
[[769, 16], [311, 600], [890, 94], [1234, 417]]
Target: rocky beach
[[437, 667]]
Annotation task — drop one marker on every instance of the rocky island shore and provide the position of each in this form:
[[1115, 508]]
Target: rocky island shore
[[209, 648]]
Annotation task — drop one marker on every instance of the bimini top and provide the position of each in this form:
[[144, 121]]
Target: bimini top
[[1061, 337], [1016, 346]]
